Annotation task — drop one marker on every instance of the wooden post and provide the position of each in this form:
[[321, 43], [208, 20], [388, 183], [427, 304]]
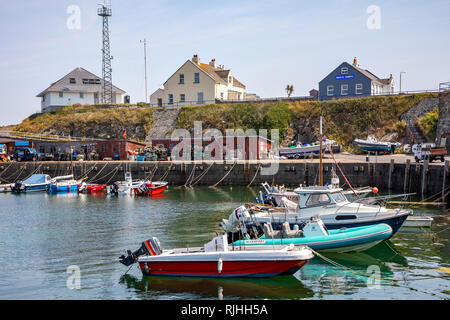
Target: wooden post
[[444, 179], [423, 178], [405, 182], [391, 168]]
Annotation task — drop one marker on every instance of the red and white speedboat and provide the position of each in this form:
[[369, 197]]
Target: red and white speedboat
[[150, 188], [216, 259], [91, 188]]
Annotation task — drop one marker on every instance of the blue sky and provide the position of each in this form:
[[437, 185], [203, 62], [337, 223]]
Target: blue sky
[[267, 44]]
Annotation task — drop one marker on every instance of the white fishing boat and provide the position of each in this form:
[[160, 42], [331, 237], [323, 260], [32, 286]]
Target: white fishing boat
[[328, 202], [125, 187]]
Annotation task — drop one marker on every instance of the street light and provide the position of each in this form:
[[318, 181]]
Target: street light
[[401, 80], [145, 65]]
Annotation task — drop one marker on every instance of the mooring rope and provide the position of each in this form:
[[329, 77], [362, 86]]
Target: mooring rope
[[165, 174], [152, 173], [104, 176], [226, 174], [191, 176], [87, 173], [1, 174], [115, 171], [200, 177], [92, 179], [256, 173]]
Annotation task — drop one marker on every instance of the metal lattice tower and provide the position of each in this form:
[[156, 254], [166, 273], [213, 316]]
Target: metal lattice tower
[[107, 96]]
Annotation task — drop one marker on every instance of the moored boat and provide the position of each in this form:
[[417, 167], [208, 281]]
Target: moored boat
[[63, 184], [91, 188], [315, 235], [124, 187], [329, 203], [5, 187], [215, 259], [149, 188], [37, 182]]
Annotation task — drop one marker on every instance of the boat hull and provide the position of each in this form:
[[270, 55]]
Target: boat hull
[[63, 188], [257, 269], [32, 188]]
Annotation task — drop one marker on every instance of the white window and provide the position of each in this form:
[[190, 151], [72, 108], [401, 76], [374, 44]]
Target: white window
[[344, 89], [344, 70], [330, 90], [358, 88], [221, 96]]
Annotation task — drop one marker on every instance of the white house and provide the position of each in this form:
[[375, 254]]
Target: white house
[[78, 86], [199, 83]]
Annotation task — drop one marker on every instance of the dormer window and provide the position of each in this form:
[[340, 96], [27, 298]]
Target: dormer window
[[344, 70], [72, 80]]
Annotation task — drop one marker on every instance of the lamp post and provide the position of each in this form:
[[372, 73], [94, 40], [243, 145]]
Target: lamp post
[[145, 65], [401, 72]]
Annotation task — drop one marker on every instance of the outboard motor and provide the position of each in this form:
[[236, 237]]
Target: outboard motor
[[151, 247], [18, 186], [115, 188]]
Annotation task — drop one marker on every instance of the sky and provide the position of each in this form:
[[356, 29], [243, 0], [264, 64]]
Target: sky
[[266, 44]]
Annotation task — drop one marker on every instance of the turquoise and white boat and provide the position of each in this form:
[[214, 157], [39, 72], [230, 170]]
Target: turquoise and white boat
[[63, 184], [316, 236]]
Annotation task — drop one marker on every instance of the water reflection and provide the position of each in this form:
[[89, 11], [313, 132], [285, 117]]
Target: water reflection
[[282, 287]]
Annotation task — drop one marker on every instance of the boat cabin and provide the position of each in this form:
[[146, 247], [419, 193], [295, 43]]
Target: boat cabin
[[319, 196]]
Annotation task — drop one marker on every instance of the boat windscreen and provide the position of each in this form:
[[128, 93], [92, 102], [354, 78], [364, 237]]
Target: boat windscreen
[[338, 196]]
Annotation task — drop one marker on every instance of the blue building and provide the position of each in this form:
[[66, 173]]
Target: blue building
[[349, 80]]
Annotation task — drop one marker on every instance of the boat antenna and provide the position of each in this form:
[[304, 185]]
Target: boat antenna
[[320, 169]]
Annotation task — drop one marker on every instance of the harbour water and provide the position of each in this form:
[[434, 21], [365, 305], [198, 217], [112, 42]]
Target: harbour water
[[43, 236]]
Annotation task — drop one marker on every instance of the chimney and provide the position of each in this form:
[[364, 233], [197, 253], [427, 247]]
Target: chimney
[[196, 59], [213, 63], [355, 62]]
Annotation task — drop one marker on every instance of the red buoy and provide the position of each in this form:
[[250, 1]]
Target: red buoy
[[375, 190]]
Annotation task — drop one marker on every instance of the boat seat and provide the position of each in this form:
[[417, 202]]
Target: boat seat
[[270, 233], [288, 233]]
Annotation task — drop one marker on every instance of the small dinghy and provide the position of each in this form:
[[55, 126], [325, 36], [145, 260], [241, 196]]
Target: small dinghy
[[91, 188], [418, 222], [63, 184], [315, 235], [37, 182], [216, 259], [149, 188]]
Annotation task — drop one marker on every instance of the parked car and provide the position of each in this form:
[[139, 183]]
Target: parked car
[[27, 154]]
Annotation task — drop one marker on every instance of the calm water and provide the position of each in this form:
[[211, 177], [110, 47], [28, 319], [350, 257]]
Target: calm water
[[42, 235]]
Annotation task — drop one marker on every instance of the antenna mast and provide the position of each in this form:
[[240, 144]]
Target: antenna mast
[[105, 12]]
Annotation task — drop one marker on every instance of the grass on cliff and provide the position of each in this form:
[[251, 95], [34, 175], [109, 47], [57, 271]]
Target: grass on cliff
[[81, 121], [343, 120], [428, 123]]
